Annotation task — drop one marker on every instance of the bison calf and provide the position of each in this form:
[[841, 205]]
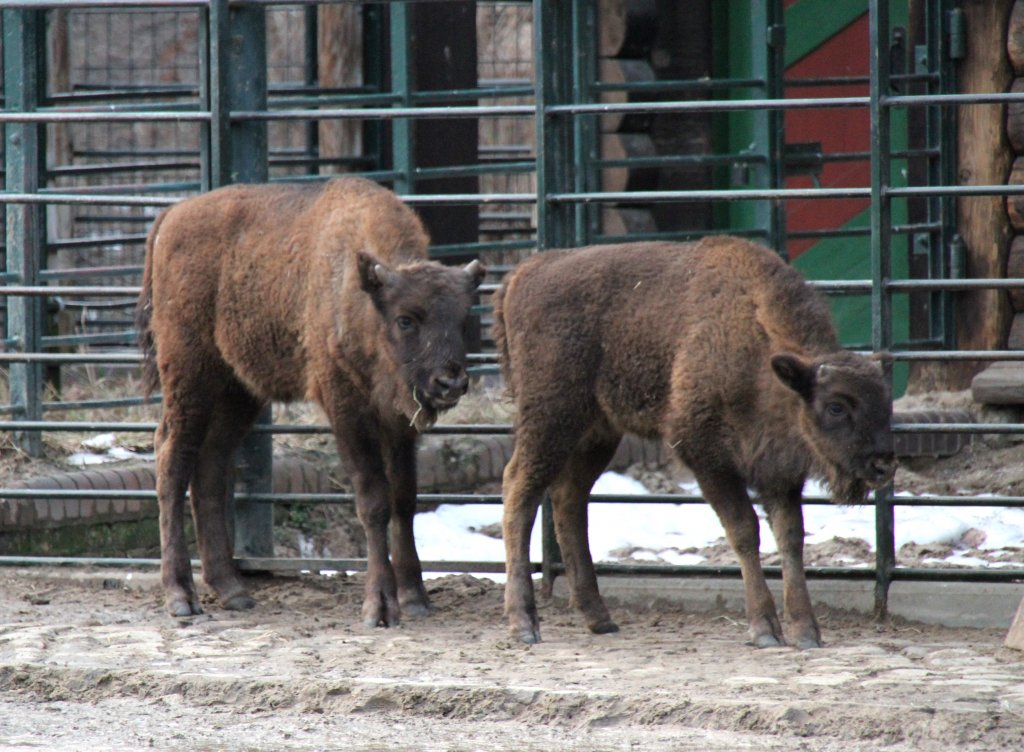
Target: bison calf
[[254, 293], [723, 352]]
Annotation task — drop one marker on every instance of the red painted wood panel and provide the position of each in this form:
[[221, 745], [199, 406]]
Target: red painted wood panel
[[840, 131]]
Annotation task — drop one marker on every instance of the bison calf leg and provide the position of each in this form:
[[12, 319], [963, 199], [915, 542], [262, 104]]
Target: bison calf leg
[[412, 595], [522, 498], [175, 460], [569, 495], [787, 521], [380, 605], [727, 494], [212, 489]]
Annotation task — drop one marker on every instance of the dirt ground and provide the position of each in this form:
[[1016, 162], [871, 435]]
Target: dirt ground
[[89, 661]]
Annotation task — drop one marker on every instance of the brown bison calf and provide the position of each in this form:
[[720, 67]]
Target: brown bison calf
[[255, 293], [723, 352]]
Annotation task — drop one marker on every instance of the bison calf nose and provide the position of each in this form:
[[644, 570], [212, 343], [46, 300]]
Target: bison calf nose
[[884, 469], [450, 386]]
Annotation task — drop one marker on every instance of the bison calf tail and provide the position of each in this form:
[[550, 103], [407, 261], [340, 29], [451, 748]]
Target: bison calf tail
[[143, 314], [499, 333]]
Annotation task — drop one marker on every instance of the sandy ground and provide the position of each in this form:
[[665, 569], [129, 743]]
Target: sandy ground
[[89, 661]]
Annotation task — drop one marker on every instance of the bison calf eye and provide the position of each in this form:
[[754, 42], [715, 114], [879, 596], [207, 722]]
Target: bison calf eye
[[405, 323], [835, 409]]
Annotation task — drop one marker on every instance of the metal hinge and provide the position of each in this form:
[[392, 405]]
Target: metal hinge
[[957, 48], [803, 159]]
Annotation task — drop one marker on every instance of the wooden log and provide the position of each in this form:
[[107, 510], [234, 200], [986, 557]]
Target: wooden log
[[1015, 204], [1001, 383], [1015, 118], [340, 64], [622, 222], [1015, 38], [624, 146], [1015, 638], [1015, 339], [624, 71], [1015, 270], [626, 28], [985, 156]]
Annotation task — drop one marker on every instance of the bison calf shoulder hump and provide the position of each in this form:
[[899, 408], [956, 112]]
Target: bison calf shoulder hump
[[719, 349], [253, 293]]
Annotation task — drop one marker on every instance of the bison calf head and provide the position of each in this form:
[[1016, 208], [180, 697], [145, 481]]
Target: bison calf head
[[425, 310], [846, 419]]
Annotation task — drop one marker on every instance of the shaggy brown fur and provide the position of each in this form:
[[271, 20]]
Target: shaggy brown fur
[[254, 293], [718, 348]]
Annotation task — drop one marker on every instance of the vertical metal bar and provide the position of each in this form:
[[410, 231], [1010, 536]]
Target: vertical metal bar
[[373, 77], [553, 76], [311, 76], [238, 154], [881, 242], [23, 51], [767, 35], [218, 168], [776, 141], [401, 84], [946, 124], [556, 223], [584, 127]]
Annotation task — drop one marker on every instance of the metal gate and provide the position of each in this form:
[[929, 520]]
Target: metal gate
[[598, 147]]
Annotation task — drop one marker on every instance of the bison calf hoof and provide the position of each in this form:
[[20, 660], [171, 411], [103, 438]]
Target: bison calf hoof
[[416, 609], [381, 611], [528, 635], [414, 602], [804, 642], [603, 627], [766, 641], [240, 602], [379, 621], [181, 608]]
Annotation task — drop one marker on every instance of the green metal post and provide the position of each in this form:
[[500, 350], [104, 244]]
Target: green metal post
[[559, 225], [776, 43], [553, 66], [373, 77], [311, 77], [401, 84], [238, 154], [585, 146], [24, 81], [945, 135], [881, 252], [768, 37]]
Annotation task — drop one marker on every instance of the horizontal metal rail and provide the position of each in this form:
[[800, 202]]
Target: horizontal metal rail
[[174, 113], [457, 429], [255, 564], [433, 499], [446, 199], [454, 429], [853, 285]]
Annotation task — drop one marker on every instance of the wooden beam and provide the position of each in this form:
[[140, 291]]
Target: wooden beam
[[983, 317]]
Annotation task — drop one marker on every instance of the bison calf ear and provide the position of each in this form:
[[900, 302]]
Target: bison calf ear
[[795, 373], [475, 271], [373, 275]]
